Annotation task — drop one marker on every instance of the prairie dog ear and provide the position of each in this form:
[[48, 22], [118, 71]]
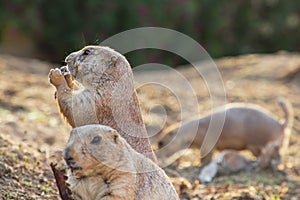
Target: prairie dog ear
[[113, 61], [112, 64]]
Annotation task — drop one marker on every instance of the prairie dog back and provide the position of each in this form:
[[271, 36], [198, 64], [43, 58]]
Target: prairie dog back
[[246, 127]]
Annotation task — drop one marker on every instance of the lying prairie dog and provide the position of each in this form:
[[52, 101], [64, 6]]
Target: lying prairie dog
[[104, 166], [228, 162], [231, 161], [246, 127]]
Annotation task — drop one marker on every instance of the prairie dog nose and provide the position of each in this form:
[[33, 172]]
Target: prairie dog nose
[[66, 154], [70, 58]]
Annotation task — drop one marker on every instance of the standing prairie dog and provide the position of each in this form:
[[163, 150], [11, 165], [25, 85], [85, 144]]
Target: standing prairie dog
[[104, 166], [96, 87], [246, 127]]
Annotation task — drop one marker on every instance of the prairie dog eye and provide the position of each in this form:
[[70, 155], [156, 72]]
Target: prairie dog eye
[[160, 144], [87, 52], [96, 140]]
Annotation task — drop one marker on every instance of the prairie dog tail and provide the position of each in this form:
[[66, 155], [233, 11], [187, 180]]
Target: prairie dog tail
[[287, 124], [288, 113]]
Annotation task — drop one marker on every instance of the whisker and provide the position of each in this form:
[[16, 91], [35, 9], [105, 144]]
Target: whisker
[[83, 39]]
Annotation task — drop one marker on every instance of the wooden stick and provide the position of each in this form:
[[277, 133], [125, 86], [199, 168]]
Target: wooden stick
[[60, 178]]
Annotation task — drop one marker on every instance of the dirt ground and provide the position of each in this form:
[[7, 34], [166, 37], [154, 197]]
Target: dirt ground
[[31, 129]]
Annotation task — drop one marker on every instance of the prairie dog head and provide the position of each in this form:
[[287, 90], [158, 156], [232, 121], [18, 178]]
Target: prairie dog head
[[174, 140], [167, 142], [92, 148], [94, 63]]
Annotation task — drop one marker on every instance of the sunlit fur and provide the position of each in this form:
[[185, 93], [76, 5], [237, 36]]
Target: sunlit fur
[[99, 89], [111, 169]]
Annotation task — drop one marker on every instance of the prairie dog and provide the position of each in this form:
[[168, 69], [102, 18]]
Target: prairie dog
[[246, 127], [228, 162], [104, 166], [96, 87]]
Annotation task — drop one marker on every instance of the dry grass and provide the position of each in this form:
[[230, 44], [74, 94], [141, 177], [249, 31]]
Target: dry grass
[[31, 128]]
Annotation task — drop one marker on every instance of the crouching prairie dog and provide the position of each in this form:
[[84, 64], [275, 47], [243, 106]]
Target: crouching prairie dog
[[228, 162], [104, 166], [246, 127], [96, 87]]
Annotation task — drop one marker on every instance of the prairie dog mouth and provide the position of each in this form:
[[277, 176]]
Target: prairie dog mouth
[[66, 70], [73, 166]]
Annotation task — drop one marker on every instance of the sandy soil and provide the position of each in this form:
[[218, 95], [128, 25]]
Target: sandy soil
[[31, 129]]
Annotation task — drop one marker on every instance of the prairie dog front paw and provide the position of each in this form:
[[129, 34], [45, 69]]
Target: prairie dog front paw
[[56, 77], [68, 76]]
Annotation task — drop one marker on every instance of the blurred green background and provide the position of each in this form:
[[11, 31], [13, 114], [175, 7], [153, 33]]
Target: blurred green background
[[51, 29]]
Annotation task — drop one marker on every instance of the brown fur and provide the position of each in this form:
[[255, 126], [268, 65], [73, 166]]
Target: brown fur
[[271, 155], [104, 166], [228, 162], [246, 127], [98, 89], [231, 161]]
